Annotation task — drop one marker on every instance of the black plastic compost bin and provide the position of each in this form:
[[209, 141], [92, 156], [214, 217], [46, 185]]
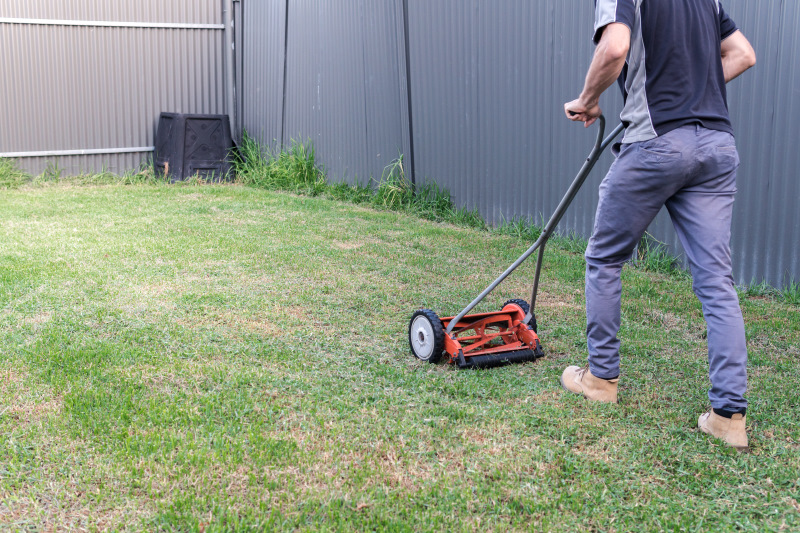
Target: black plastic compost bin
[[193, 145]]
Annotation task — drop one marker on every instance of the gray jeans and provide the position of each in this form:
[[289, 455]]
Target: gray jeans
[[691, 170]]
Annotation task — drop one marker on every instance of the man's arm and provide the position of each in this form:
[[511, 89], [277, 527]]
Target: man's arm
[[737, 55], [609, 58]]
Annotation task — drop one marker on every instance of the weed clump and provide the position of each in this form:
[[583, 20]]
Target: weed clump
[[293, 169], [522, 228], [653, 255], [11, 177], [427, 200], [791, 292]]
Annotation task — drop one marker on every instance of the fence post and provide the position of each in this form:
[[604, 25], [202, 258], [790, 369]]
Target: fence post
[[411, 161]]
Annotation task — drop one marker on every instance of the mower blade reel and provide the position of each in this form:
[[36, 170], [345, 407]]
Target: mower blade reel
[[501, 359]]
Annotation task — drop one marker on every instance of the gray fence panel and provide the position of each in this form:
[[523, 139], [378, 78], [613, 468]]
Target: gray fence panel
[[344, 85], [386, 106], [87, 87], [781, 259], [263, 55], [324, 86], [196, 11], [444, 96]]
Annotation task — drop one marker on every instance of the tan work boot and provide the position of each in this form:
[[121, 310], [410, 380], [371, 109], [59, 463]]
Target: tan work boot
[[731, 430], [581, 381]]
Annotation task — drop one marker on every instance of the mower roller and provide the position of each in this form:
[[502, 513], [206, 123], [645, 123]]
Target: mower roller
[[485, 340]]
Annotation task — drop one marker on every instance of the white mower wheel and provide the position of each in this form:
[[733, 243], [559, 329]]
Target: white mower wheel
[[426, 336]]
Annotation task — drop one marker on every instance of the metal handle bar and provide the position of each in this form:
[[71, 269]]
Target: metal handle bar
[[594, 155]]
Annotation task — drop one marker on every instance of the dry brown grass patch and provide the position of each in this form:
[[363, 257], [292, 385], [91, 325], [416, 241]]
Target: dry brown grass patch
[[37, 319], [68, 502], [347, 245], [20, 404]]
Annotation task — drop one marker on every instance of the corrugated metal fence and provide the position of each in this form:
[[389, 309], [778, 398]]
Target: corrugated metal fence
[[339, 80], [487, 84], [85, 80]]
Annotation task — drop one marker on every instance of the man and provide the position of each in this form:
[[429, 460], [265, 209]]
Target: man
[[673, 59]]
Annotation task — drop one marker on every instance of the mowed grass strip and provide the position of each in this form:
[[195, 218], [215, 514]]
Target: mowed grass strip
[[209, 358]]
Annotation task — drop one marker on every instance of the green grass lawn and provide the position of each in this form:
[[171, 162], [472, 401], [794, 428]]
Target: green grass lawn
[[222, 358]]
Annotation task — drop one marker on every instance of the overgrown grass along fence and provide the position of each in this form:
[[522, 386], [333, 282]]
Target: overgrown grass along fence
[[294, 169]]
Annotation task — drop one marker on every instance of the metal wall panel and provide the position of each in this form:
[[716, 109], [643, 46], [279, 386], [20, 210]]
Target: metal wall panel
[[765, 111], [386, 100], [325, 84], [262, 56], [345, 88], [444, 96], [752, 103], [69, 87], [780, 260]]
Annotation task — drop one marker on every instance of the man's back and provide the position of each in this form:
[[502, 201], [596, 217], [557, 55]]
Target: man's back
[[673, 75]]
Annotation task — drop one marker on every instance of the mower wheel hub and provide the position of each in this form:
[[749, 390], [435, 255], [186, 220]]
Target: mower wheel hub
[[422, 338]]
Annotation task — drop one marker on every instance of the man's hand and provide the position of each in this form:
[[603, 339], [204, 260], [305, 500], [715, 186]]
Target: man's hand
[[579, 111]]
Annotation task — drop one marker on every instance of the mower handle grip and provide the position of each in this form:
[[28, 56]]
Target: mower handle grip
[[601, 130]]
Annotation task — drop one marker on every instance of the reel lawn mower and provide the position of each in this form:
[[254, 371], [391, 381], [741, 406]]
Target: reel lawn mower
[[485, 340]]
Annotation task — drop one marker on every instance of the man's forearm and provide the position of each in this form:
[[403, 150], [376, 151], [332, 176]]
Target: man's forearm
[[737, 56], [609, 58]]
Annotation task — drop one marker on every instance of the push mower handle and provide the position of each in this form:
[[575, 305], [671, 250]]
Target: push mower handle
[[599, 145], [601, 130]]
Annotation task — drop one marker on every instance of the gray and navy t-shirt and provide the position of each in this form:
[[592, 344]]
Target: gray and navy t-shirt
[[673, 74]]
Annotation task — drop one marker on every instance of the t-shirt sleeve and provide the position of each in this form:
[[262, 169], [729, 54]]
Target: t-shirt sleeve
[[608, 11], [726, 25]]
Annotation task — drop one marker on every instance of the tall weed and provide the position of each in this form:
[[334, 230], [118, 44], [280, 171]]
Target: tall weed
[[758, 290], [654, 256], [791, 292], [394, 190], [11, 177], [290, 169]]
